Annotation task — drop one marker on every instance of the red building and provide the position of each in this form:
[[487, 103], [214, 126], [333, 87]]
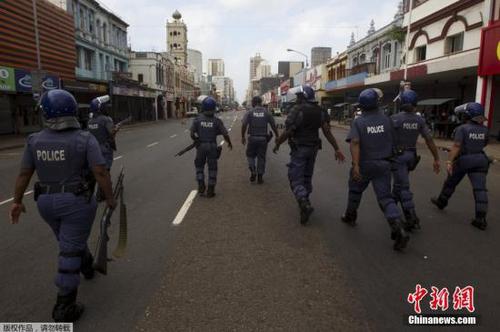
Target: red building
[[56, 58]]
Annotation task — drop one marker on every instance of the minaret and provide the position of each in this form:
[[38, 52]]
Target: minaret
[[372, 28], [177, 38], [352, 41]]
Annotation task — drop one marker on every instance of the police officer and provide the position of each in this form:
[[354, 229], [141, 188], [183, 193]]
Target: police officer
[[372, 142], [467, 157], [205, 129], [302, 132], [407, 127], [103, 128], [256, 121], [62, 154]]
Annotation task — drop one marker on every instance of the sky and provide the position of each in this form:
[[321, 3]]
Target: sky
[[237, 29]]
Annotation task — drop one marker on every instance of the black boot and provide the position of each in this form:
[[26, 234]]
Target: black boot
[[412, 221], [260, 179], [440, 202], [87, 268], [350, 217], [201, 187], [480, 221], [305, 211], [398, 234], [211, 191], [66, 309], [253, 176]]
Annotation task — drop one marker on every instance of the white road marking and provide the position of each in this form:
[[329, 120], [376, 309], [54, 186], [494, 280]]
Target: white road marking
[[12, 198], [174, 135], [153, 144], [185, 207], [119, 157]]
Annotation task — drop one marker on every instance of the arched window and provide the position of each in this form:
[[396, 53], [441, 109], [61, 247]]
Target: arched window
[[98, 29], [105, 32], [362, 58], [355, 61], [386, 56]]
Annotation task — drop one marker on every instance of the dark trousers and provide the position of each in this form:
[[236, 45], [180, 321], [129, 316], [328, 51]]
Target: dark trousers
[[378, 172], [401, 177], [71, 218], [256, 154], [301, 169], [475, 166], [206, 153]]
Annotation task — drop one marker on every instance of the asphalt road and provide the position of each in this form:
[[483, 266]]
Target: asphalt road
[[241, 261]]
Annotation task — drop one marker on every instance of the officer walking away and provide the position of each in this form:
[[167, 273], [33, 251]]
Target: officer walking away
[[103, 128], [372, 142], [205, 129], [408, 125], [467, 157], [302, 132], [256, 121], [62, 154]]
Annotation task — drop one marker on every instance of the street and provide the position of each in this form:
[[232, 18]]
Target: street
[[242, 261]]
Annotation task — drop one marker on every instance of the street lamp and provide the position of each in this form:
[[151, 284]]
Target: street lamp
[[305, 55]]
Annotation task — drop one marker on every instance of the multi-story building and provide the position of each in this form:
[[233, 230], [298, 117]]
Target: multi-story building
[[23, 65], [254, 63], [224, 89], [288, 69], [216, 67], [195, 63], [263, 70], [177, 38], [320, 55]]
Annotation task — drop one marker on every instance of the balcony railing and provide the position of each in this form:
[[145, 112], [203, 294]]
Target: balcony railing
[[368, 67]]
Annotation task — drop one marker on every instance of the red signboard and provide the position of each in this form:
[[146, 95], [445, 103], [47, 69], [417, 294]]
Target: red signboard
[[417, 71], [489, 58]]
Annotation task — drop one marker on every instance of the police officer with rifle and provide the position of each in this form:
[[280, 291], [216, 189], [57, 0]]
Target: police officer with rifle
[[62, 154]]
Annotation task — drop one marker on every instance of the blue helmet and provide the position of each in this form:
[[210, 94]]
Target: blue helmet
[[308, 93], [409, 97], [368, 99], [208, 104], [97, 104], [474, 111], [58, 103]]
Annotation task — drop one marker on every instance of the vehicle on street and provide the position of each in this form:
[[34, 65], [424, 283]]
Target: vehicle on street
[[192, 113]]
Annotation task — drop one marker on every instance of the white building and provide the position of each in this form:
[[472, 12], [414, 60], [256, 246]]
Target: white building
[[195, 62], [215, 67], [224, 88], [263, 70], [177, 39]]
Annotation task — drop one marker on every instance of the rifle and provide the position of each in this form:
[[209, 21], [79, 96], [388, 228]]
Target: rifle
[[101, 253], [186, 149], [118, 126]]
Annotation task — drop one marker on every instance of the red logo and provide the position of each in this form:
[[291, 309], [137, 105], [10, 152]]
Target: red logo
[[463, 298]]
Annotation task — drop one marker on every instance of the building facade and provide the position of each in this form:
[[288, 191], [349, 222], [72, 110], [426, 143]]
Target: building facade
[[287, 69], [177, 38], [320, 55], [22, 66], [195, 63], [216, 67]]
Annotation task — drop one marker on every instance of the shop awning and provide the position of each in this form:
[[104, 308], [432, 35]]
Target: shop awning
[[340, 105], [434, 101]]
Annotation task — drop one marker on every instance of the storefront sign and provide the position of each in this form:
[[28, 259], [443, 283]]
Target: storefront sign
[[77, 86], [284, 87], [24, 82], [489, 58], [7, 79]]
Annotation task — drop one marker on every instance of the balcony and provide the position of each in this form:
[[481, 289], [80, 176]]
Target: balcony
[[368, 67], [352, 80]]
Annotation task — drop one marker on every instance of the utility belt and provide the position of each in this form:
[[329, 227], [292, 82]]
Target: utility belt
[[77, 189], [412, 165], [402, 149], [294, 144]]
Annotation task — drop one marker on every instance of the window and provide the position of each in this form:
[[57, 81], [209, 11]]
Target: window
[[387, 53], [140, 78], [421, 53], [82, 19], [105, 32], [87, 57], [78, 57], [98, 29], [362, 59], [91, 22], [454, 43]]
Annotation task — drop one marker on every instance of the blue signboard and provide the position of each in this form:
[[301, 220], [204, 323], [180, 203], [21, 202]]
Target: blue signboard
[[24, 81]]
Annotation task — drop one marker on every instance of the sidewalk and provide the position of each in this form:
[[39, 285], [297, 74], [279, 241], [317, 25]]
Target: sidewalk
[[492, 150]]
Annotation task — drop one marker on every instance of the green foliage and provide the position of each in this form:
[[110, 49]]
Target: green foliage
[[397, 33]]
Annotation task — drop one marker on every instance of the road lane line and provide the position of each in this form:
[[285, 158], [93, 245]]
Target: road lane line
[[174, 135], [185, 207], [119, 157], [153, 144], [12, 198]]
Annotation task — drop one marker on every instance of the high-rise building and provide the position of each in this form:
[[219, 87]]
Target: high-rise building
[[320, 55], [263, 70], [195, 62], [177, 38], [224, 88], [288, 69], [215, 67], [254, 63]]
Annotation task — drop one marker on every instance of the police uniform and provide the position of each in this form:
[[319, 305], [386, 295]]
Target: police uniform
[[206, 129], [62, 156], [101, 126], [258, 119], [407, 128], [304, 121], [473, 162]]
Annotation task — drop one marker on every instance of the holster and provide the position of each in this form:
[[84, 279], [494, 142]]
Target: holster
[[413, 165], [36, 191], [219, 151]]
